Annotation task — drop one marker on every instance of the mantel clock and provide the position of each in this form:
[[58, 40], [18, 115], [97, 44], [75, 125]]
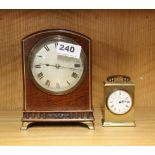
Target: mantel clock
[[57, 78]]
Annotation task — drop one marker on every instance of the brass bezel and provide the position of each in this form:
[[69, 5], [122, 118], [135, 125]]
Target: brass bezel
[[41, 43]]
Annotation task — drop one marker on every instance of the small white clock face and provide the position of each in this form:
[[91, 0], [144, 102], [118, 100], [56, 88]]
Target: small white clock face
[[119, 102], [55, 73]]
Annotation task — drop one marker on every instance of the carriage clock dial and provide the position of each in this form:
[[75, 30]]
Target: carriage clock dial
[[119, 101], [57, 78]]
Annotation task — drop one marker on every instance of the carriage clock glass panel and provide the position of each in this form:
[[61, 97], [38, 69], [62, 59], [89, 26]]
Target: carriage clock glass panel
[[53, 66]]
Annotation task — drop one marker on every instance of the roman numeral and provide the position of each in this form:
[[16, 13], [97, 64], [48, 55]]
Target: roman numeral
[[74, 75], [40, 75], [76, 65], [127, 106], [46, 47], [112, 106], [37, 66], [68, 83], [47, 83]]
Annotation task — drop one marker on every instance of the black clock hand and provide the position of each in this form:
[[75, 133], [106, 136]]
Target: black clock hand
[[49, 65], [69, 68], [125, 100], [59, 66], [122, 101]]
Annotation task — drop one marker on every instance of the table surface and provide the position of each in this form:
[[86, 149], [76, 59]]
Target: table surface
[[76, 134]]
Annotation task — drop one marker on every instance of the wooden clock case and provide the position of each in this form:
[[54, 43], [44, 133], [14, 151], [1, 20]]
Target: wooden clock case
[[39, 106]]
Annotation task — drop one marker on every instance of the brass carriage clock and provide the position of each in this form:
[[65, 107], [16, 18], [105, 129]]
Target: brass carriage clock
[[119, 101], [57, 78]]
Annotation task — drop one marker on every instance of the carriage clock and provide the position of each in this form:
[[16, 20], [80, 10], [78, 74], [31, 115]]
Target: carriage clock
[[57, 78], [119, 101]]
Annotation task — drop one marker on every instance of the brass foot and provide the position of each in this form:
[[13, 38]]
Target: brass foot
[[90, 125], [25, 125]]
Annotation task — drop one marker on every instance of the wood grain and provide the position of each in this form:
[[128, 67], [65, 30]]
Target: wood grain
[[122, 40], [74, 134]]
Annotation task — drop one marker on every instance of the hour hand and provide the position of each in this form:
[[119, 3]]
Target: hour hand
[[122, 101], [49, 65]]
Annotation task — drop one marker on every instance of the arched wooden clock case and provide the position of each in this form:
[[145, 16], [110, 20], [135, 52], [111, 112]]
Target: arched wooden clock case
[[40, 106]]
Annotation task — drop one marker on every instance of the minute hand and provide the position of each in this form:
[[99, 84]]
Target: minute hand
[[69, 68]]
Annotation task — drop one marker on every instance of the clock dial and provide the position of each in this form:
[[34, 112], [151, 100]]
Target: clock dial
[[119, 102], [55, 73]]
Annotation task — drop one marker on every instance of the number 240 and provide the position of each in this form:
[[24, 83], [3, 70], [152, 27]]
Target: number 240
[[67, 48]]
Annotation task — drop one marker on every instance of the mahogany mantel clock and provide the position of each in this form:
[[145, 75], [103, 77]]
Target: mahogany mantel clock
[[57, 78]]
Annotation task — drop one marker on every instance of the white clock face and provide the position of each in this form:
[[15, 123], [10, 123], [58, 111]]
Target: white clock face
[[56, 73], [119, 102]]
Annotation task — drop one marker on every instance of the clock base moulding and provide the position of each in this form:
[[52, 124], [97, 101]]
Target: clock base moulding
[[86, 118]]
